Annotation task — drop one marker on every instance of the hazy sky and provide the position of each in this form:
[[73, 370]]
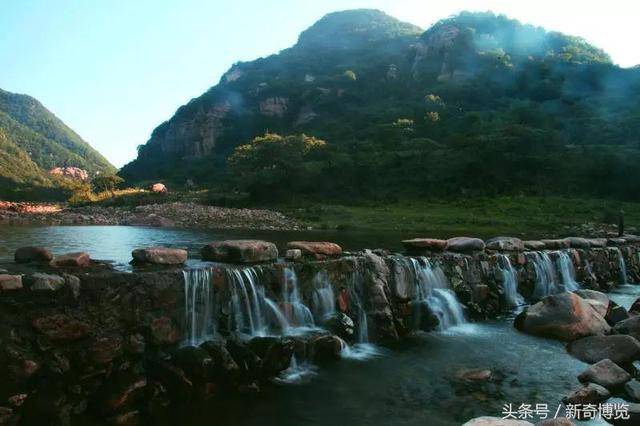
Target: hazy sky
[[115, 69]]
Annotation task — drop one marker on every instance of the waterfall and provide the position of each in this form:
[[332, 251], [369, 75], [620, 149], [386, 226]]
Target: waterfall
[[545, 275], [198, 302], [567, 271], [296, 312], [510, 282], [622, 267], [324, 301], [432, 289], [363, 327]]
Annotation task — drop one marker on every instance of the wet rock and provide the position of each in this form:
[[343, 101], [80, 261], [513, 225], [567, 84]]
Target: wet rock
[[465, 245], [635, 308], [159, 255], [632, 417], [616, 315], [632, 390], [587, 394], [130, 418], [421, 245], [293, 254], [564, 316], [534, 245], [250, 364], [196, 363], [340, 325], [225, 367], [119, 391], [106, 349], [598, 301], [172, 377], [578, 243], [317, 249], [622, 350], [135, 344], [616, 242], [277, 357], [164, 331], [605, 373], [46, 282], [496, 421], [72, 260], [326, 349], [240, 251], [32, 254], [557, 244], [509, 244], [474, 375], [10, 282], [630, 326], [597, 242], [61, 327]]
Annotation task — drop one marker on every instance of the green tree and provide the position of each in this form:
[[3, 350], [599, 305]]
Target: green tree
[[106, 183]]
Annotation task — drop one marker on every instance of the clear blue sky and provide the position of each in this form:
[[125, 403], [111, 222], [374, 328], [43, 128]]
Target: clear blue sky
[[113, 70]]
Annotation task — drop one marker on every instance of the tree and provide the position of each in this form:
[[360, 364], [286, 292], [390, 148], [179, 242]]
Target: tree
[[106, 183]]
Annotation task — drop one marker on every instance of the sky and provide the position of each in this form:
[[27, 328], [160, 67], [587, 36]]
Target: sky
[[113, 70]]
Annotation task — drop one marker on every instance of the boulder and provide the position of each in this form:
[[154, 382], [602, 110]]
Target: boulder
[[32, 254], [164, 331], [616, 242], [557, 244], [240, 251], [587, 394], [534, 245], [578, 243], [318, 249], [10, 282], [616, 314], [465, 245], [556, 422], [630, 326], [46, 282], [598, 300], [622, 350], [159, 255], [293, 254], [597, 242], [635, 307], [197, 363], [632, 416], [277, 357], [632, 390], [474, 375], [420, 245], [105, 349], [340, 325], [496, 421], [605, 373], [61, 327], [563, 316], [72, 260], [510, 244], [326, 349], [158, 188]]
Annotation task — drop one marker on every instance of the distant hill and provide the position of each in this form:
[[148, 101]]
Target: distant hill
[[33, 141], [478, 103]]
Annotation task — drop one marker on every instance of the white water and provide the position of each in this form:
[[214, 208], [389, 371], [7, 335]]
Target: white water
[[512, 298], [324, 301], [296, 312], [199, 315], [546, 281], [622, 267], [567, 272]]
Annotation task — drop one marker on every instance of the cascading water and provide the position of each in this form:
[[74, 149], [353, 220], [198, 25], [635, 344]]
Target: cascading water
[[296, 312], [510, 282], [567, 272], [622, 267], [432, 289], [546, 281], [324, 302], [199, 306]]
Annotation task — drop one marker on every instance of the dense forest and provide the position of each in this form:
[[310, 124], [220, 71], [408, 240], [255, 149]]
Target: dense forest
[[478, 103]]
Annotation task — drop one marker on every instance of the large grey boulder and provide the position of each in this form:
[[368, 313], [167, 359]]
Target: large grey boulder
[[578, 243], [420, 245], [621, 349], [630, 326], [563, 316], [605, 373], [587, 394], [32, 254], [557, 244], [509, 244], [465, 245], [534, 245], [240, 251], [317, 249], [46, 282], [598, 300]]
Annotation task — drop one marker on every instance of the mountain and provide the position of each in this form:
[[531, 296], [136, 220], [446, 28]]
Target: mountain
[[476, 103], [32, 142]]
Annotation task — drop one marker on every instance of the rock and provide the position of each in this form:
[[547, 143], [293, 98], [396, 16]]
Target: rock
[[5, 415], [616, 242], [277, 357], [578, 243], [563, 316], [160, 255], [172, 377], [106, 349], [599, 301], [196, 363], [293, 254], [616, 315], [496, 421], [597, 242], [61, 327], [465, 245], [632, 389], [240, 251], [130, 418], [32, 254], [326, 349], [632, 417], [556, 422], [622, 350], [340, 325], [158, 188], [510, 244], [10, 282], [318, 249], [122, 389], [47, 282], [70, 172], [153, 220], [635, 308], [605, 373], [420, 245], [225, 368], [73, 283], [629, 327], [587, 394], [475, 375], [557, 244], [72, 260], [534, 245], [164, 331]]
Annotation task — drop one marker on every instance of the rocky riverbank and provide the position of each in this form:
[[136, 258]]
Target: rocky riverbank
[[178, 214], [82, 343]]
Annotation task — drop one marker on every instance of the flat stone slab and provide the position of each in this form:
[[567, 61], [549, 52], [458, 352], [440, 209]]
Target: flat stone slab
[[316, 248], [597, 242], [10, 282], [616, 242], [557, 244], [240, 251], [465, 245], [534, 245], [159, 255], [416, 245], [579, 243], [72, 260], [510, 244], [32, 254]]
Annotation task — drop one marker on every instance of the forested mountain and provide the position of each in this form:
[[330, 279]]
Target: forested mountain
[[33, 141], [478, 103]]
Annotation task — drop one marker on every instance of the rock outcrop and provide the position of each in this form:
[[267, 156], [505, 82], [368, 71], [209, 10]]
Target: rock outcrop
[[240, 251]]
